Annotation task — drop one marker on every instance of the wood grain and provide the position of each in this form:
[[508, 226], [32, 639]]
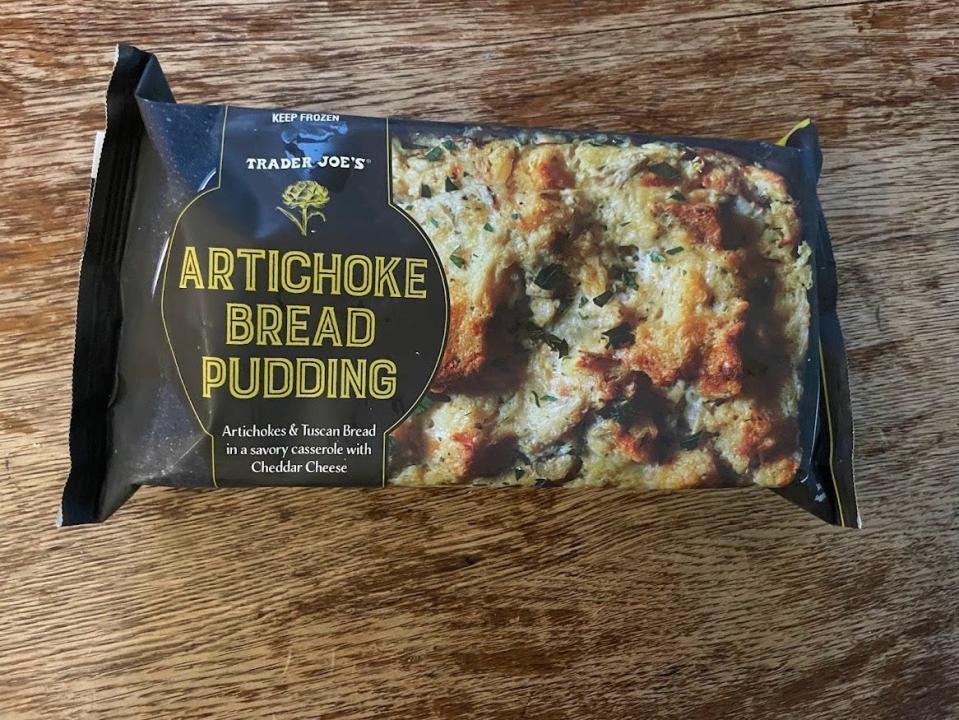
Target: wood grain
[[479, 604]]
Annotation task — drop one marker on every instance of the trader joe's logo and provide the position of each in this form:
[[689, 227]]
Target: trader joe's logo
[[304, 201]]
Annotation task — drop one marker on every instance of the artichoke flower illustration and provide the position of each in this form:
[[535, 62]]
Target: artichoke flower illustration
[[305, 197]]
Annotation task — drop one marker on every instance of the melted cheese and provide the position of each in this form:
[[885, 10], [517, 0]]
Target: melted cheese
[[630, 315]]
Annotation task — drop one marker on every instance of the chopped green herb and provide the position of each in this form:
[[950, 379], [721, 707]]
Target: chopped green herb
[[547, 398], [624, 224], [582, 300], [537, 334], [535, 398], [690, 442], [551, 276], [449, 145], [621, 412], [629, 279], [425, 191], [457, 261], [488, 228], [520, 472], [515, 215], [619, 336], [557, 344], [602, 299], [675, 250], [656, 257], [450, 185], [428, 401], [665, 171], [676, 195], [434, 154], [434, 222]]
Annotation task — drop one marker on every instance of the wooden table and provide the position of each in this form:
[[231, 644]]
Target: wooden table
[[479, 604]]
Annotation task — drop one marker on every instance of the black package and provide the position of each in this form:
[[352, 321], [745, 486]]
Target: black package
[[281, 297]]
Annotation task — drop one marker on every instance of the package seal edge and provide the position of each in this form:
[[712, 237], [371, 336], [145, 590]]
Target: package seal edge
[[98, 296], [836, 435]]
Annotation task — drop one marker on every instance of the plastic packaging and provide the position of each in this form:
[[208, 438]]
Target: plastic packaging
[[277, 297]]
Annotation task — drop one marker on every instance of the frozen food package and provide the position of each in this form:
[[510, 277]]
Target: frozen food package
[[284, 297]]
